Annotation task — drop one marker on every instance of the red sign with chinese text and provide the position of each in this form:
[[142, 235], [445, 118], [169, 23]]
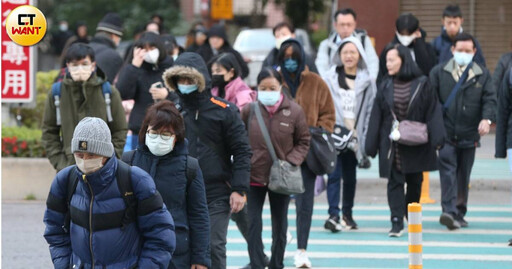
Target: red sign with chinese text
[[18, 62]]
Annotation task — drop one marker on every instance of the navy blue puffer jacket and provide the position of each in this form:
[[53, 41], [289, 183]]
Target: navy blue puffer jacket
[[187, 204], [147, 243]]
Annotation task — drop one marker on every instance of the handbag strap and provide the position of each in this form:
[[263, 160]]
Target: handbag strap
[[455, 89], [360, 108], [255, 108]]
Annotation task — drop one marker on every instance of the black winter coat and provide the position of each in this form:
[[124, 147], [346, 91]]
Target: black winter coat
[[422, 108], [134, 83], [214, 129], [475, 101], [185, 201], [504, 117], [424, 54], [106, 56], [502, 67]]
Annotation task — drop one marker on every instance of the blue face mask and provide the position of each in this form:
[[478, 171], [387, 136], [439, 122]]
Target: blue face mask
[[462, 58], [291, 65], [269, 98], [187, 89]]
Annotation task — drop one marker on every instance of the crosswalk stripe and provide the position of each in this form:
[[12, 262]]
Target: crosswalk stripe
[[393, 256], [316, 267], [386, 230], [425, 218], [342, 242], [425, 208]]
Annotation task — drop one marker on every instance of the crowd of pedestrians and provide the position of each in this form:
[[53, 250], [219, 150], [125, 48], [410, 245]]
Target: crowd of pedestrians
[[204, 148]]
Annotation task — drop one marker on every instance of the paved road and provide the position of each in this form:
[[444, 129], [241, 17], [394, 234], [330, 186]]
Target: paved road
[[480, 246]]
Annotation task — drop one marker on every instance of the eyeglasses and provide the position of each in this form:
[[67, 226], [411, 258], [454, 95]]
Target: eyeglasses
[[163, 135]]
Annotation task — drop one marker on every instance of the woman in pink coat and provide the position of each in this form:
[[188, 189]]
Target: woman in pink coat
[[227, 83]]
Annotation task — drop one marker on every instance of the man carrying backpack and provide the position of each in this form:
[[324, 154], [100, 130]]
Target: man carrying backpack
[[83, 92], [87, 223]]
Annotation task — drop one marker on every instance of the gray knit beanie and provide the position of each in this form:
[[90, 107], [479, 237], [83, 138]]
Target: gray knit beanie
[[92, 135]]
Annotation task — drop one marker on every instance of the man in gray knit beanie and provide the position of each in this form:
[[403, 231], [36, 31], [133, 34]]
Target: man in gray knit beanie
[[91, 144]]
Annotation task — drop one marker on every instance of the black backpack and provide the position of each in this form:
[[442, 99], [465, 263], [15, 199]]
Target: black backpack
[[104, 221], [192, 165]]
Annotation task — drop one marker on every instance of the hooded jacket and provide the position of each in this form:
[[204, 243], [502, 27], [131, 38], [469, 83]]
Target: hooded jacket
[[443, 48], [107, 58], [475, 101], [423, 107], [135, 82], [311, 93], [214, 130], [364, 87], [424, 56], [237, 92], [77, 101], [328, 48], [147, 243], [271, 61], [185, 201], [206, 51]]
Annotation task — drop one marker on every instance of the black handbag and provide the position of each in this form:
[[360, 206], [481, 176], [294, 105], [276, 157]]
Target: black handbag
[[321, 158]]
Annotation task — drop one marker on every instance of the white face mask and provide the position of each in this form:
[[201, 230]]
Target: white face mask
[[80, 72], [280, 41], [405, 40], [159, 146], [152, 56], [90, 165]]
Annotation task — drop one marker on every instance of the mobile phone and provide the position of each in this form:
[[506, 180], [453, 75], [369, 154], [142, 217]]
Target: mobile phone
[[157, 85]]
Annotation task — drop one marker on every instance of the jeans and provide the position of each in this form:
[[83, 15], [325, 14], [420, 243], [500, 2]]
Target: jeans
[[304, 207], [242, 222], [397, 200], [346, 169], [455, 166], [220, 211], [279, 212]]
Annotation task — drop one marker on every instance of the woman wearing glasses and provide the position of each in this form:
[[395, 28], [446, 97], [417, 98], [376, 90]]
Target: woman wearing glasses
[[163, 153]]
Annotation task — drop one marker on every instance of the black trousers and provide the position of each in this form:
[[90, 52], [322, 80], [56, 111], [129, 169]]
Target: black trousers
[[279, 213], [397, 199], [219, 210], [304, 207], [455, 166]]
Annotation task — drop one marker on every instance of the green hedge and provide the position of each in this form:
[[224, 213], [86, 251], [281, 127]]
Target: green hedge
[[33, 117]]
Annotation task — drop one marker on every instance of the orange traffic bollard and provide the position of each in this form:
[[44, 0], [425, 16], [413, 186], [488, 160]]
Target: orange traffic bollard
[[415, 236], [425, 190]]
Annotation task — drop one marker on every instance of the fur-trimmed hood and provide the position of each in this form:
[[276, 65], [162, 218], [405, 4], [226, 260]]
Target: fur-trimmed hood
[[189, 65]]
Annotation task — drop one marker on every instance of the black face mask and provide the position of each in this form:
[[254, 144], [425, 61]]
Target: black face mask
[[218, 81]]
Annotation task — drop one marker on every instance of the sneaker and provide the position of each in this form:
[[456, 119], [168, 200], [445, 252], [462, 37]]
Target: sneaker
[[349, 222], [302, 260], [463, 223], [397, 227], [289, 237], [449, 221], [333, 224]]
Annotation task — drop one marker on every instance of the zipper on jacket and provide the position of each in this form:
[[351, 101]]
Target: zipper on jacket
[[197, 114], [90, 218]]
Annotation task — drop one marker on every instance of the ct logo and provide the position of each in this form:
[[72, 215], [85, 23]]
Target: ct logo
[[26, 25]]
